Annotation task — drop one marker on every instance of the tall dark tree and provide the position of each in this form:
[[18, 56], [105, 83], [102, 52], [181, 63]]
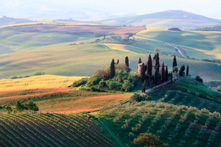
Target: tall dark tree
[[171, 76], [149, 69], [174, 62], [181, 71], [156, 76], [187, 70], [117, 61], [104, 36], [142, 73], [162, 74], [157, 60], [112, 69], [144, 86], [154, 57], [166, 76], [139, 61], [127, 61]]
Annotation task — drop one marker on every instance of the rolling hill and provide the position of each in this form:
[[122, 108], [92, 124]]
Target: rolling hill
[[9, 20], [185, 113], [166, 19], [50, 48]]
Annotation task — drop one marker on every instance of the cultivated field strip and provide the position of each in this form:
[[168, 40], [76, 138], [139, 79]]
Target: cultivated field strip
[[28, 130], [174, 125]]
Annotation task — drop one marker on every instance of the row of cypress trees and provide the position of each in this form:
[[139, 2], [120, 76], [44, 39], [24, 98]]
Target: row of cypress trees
[[182, 68], [146, 71]]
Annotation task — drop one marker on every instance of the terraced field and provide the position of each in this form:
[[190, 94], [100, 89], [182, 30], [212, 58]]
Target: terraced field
[[174, 125], [50, 130]]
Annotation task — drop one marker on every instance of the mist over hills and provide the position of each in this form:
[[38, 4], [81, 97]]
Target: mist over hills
[[10, 20], [166, 19]]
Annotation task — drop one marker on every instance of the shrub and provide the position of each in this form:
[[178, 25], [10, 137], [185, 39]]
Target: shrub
[[114, 85], [19, 106], [139, 97], [30, 105], [39, 73], [199, 79], [148, 140], [79, 82], [121, 66], [94, 89], [93, 81], [102, 83], [104, 73], [8, 108], [127, 86], [15, 77], [121, 76], [134, 79]]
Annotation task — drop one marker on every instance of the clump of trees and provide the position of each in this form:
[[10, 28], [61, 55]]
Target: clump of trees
[[214, 28], [150, 78], [117, 77], [174, 29], [148, 140], [30, 105]]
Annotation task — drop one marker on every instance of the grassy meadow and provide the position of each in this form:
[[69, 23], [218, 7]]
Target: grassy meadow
[[83, 60], [195, 43]]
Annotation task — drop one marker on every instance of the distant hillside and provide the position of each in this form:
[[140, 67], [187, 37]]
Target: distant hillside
[[9, 20], [166, 19], [214, 28]]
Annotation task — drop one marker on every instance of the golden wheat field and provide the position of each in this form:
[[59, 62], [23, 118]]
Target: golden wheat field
[[41, 81]]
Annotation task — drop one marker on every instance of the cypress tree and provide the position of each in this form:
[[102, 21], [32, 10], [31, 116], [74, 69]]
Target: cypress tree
[[104, 36], [139, 61], [187, 70], [171, 76], [157, 60], [112, 69], [174, 62], [127, 61], [166, 78], [144, 86], [117, 61], [149, 63], [154, 57], [162, 74], [156, 76], [142, 73], [181, 71]]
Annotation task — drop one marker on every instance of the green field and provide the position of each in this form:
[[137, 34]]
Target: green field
[[27, 49], [189, 92], [200, 45]]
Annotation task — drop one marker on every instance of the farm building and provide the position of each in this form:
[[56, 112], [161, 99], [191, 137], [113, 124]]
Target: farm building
[[153, 67]]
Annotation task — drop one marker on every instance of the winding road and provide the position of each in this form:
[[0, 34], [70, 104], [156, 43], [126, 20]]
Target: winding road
[[178, 49]]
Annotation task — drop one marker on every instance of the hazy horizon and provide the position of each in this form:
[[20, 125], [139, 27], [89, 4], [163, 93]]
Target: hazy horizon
[[97, 9]]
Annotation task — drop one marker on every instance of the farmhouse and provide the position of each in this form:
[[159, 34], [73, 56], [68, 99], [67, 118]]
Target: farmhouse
[[153, 67]]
